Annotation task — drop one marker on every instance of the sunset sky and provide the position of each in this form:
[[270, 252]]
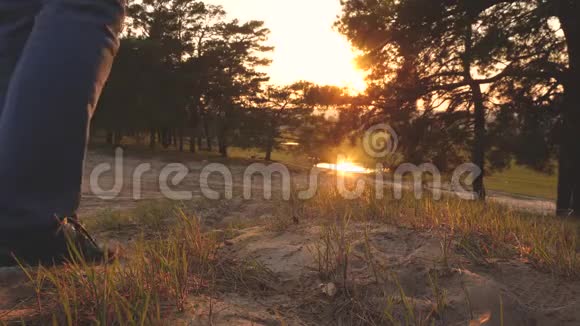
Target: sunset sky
[[307, 46]]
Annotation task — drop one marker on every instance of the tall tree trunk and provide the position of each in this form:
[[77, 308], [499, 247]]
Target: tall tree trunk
[[110, 136], [568, 202], [192, 141], [159, 133], [207, 135], [569, 177], [479, 133], [152, 138], [269, 147], [575, 149], [181, 139], [565, 183], [222, 140], [166, 138], [478, 150], [208, 144], [117, 137], [270, 140], [199, 143]]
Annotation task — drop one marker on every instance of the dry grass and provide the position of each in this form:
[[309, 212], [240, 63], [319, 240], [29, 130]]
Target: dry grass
[[483, 230], [152, 215], [163, 270], [154, 280], [479, 231]]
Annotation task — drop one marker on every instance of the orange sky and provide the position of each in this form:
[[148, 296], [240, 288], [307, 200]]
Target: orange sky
[[307, 47]]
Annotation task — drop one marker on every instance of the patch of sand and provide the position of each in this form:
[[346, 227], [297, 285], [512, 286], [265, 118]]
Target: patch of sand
[[524, 295]]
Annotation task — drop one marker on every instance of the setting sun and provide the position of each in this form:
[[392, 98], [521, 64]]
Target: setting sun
[[307, 46]]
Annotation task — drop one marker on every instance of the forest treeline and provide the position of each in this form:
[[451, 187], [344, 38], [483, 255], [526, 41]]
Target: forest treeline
[[491, 82], [498, 78], [188, 76]]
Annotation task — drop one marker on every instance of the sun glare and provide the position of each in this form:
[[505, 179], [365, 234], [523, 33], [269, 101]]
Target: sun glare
[[307, 46], [345, 167]]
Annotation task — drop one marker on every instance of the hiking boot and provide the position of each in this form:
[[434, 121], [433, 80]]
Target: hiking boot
[[66, 241]]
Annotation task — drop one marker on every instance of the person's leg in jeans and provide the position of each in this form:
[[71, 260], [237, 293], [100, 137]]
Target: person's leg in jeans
[[16, 22], [52, 92]]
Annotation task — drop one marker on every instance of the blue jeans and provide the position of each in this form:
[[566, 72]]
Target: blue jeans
[[55, 56]]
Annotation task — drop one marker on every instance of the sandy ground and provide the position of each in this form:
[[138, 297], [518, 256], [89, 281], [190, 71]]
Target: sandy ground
[[528, 297], [297, 293]]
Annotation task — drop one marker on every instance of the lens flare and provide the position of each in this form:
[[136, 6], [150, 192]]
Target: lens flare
[[345, 167]]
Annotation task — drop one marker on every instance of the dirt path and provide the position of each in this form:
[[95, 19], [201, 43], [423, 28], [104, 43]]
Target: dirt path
[[151, 189]]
